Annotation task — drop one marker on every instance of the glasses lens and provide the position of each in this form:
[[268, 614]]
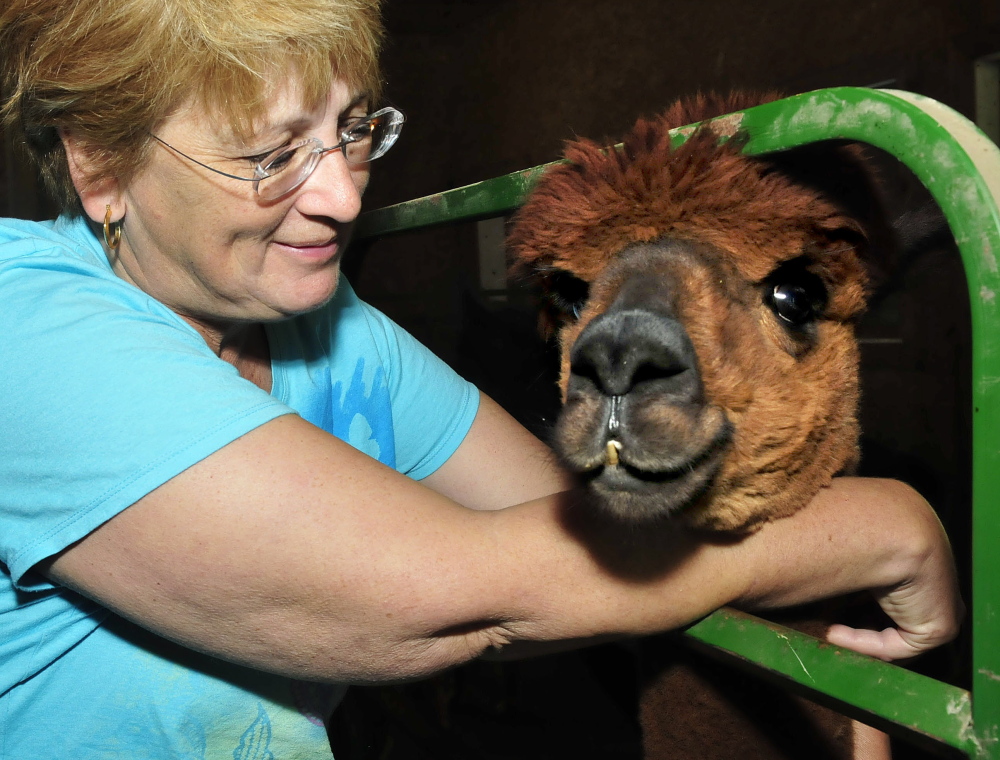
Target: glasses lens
[[372, 138], [287, 168]]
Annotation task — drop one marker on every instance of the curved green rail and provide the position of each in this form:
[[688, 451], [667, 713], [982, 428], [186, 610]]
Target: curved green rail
[[961, 169]]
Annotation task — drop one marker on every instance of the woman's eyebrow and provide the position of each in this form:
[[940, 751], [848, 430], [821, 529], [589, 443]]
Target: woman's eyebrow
[[358, 100], [273, 131]]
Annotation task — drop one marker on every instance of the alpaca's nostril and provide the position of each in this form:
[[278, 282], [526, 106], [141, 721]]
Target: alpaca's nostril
[[624, 351], [658, 368], [583, 369]]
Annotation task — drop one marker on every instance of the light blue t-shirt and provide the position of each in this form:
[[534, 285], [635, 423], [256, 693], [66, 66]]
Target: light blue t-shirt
[[105, 394]]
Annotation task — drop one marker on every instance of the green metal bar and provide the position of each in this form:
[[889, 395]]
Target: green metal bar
[[481, 200], [961, 169], [923, 709]]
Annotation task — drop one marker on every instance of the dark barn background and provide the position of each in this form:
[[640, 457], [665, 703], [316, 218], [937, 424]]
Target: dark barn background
[[492, 86]]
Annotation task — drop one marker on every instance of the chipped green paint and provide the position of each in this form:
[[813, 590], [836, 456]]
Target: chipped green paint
[[961, 169], [914, 705]]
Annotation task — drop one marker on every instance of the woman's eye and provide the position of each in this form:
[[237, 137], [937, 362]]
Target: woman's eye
[[348, 123], [567, 294], [360, 130], [262, 159], [258, 159], [279, 162]]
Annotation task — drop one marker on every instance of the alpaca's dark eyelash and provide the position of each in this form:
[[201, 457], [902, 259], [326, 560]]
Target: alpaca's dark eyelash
[[567, 293]]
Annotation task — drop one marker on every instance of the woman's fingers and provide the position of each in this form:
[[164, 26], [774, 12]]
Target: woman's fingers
[[887, 644]]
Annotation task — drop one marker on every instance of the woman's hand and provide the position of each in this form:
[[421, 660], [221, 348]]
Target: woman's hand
[[925, 606]]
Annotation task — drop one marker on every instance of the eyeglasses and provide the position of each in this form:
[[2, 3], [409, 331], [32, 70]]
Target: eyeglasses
[[283, 170]]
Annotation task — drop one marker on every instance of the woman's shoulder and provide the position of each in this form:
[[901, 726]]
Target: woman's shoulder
[[66, 238], [57, 262]]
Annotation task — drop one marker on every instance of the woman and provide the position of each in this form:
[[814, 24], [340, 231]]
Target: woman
[[229, 484]]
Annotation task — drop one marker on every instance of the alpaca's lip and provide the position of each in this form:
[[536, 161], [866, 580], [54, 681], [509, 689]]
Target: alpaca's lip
[[638, 482], [662, 454], [626, 475], [636, 495]]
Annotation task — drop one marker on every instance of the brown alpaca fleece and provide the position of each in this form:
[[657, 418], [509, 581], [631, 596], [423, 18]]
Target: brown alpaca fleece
[[688, 393], [789, 396]]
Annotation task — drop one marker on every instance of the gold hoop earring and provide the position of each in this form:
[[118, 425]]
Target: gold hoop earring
[[115, 239]]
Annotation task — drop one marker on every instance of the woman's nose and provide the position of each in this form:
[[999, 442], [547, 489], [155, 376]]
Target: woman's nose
[[334, 188]]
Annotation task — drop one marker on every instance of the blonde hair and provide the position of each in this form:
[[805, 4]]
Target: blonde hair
[[109, 70]]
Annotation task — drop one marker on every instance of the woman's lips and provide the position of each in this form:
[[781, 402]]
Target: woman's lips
[[313, 251]]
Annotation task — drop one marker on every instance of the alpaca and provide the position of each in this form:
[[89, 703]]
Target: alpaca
[[704, 304]]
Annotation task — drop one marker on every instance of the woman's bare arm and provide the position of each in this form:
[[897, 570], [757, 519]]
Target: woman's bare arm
[[519, 467], [289, 551], [499, 464]]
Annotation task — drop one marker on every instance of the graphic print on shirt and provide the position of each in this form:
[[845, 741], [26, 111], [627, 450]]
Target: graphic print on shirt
[[256, 740], [362, 414]]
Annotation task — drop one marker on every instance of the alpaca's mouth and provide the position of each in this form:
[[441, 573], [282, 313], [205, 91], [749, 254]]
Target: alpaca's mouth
[[624, 477], [618, 469], [631, 486], [642, 455], [628, 473]]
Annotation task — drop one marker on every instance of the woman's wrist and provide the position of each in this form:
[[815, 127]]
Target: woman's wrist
[[857, 534], [863, 534]]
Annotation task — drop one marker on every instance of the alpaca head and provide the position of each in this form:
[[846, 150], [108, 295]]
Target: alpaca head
[[703, 301]]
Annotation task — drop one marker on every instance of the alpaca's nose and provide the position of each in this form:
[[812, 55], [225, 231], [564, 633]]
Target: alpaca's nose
[[628, 350]]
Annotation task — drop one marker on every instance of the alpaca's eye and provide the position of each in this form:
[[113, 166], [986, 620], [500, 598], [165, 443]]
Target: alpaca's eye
[[793, 303], [568, 294], [796, 295]]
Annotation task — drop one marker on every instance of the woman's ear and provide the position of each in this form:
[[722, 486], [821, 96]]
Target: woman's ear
[[96, 194]]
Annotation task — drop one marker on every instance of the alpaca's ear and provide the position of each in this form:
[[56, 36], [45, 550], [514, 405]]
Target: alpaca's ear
[[843, 173], [845, 229], [844, 263], [849, 175], [550, 319]]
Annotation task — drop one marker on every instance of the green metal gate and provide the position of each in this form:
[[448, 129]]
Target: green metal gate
[[961, 168]]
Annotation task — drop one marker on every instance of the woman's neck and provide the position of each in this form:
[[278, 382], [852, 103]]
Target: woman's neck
[[242, 345]]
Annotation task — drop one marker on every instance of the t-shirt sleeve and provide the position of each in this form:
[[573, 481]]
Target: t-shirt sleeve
[[106, 395], [432, 406]]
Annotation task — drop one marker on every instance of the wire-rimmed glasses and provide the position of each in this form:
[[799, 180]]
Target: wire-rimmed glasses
[[280, 172]]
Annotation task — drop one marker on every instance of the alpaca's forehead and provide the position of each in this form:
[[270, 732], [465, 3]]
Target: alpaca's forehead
[[581, 217], [749, 255]]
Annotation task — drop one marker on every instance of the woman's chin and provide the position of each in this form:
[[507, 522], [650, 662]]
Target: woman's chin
[[303, 297]]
